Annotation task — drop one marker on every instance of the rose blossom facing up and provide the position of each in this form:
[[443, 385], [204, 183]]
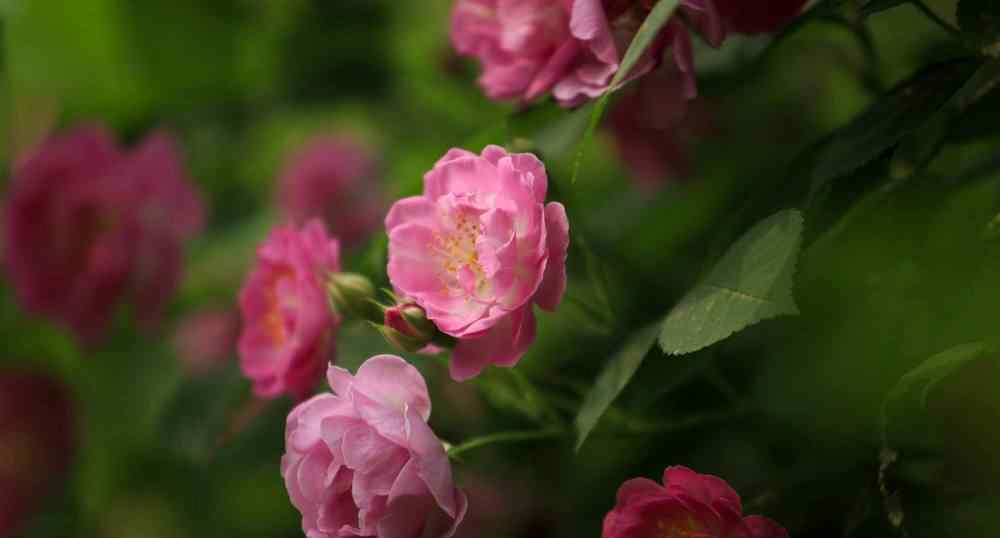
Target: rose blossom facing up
[[288, 327], [570, 47], [477, 250], [87, 223], [36, 443], [333, 178], [363, 461], [688, 505]]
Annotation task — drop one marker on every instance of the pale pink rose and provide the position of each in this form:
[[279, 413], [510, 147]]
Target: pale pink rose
[[363, 461], [206, 339], [37, 442], [333, 178], [572, 48], [687, 504], [288, 327], [478, 250], [87, 224]]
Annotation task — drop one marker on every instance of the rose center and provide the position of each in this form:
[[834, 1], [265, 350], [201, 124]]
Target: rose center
[[281, 307], [456, 253], [683, 527]]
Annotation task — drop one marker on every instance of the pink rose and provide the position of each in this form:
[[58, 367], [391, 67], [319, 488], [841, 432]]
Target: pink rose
[[758, 17], [687, 504], [36, 443], [205, 340], [363, 461], [333, 178], [570, 47], [477, 250], [86, 224], [288, 327]]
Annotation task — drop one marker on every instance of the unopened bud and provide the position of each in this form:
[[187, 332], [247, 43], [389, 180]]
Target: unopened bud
[[352, 296], [406, 326]]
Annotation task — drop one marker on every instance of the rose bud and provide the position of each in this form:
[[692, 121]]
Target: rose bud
[[352, 296]]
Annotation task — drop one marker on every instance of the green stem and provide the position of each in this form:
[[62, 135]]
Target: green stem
[[504, 437], [930, 14]]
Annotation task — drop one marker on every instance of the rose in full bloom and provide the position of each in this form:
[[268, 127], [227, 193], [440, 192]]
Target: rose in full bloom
[[87, 223], [206, 339], [477, 250], [333, 178], [572, 48], [36, 443], [363, 461], [288, 327], [758, 17], [688, 504]]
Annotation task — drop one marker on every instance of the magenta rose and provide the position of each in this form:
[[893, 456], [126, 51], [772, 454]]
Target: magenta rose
[[571, 48], [288, 327], [363, 461], [36, 444], [477, 250], [758, 17], [333, 178], [687, 504], [87, 224]]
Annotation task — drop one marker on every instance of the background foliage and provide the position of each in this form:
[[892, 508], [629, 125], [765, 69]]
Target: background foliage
[[867, 407]]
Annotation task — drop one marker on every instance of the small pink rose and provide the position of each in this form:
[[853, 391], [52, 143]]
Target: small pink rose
[[333, 178], [477, 250], [288, 327], [363, 461], [205, 340], [687, 504]]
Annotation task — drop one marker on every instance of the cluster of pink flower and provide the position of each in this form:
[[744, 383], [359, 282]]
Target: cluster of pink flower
[[572, 49]]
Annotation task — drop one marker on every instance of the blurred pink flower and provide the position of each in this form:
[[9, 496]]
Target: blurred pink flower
[[687, 504], [37, 441], [333, 178], [570, 47], [655, 127], [86, 224], [288, 327], [205, 339], [758, 17], [363, 461], [477, 250]]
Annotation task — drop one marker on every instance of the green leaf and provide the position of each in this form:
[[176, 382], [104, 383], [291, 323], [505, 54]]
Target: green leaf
[[920, 146], [903, 411], [980, 21], [613, 379], [887, 121], [644, 37], [752, 282]]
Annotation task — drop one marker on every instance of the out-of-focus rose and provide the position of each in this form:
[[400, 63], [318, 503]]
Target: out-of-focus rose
[[687, 504], [288, 328], [655, 127], [758, 17], [86, 224], [363, 461], [36, 443], [477, 250], [570, 47], [333, 178], [204, 340]]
